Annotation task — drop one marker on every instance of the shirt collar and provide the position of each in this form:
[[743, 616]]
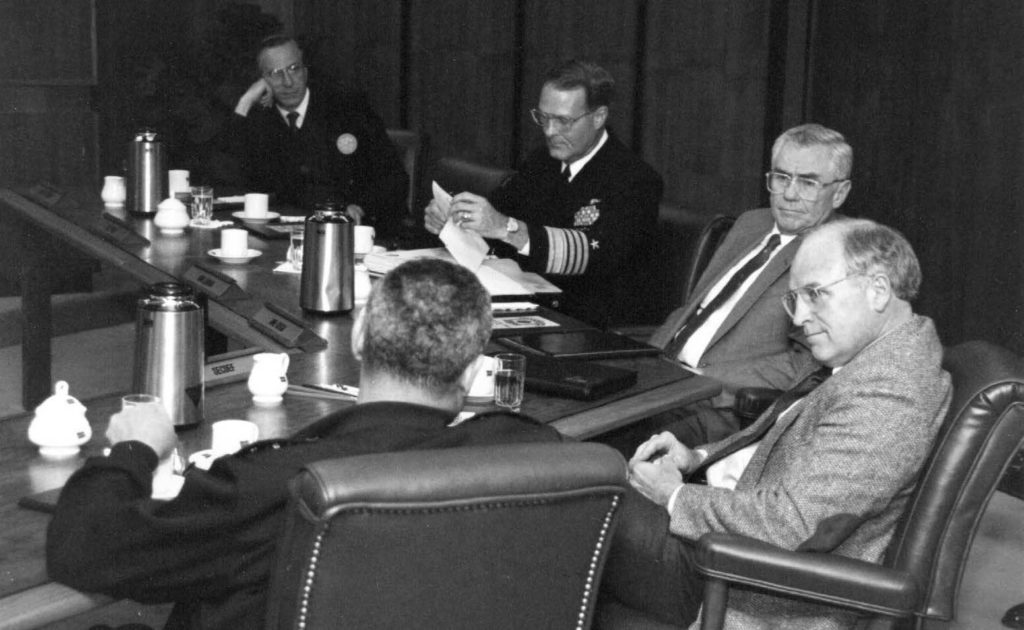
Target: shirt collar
[[300, 110], [578, 165]]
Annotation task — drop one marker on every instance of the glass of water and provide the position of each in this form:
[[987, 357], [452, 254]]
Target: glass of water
[[509, 380], [296, 243], [202, 205]]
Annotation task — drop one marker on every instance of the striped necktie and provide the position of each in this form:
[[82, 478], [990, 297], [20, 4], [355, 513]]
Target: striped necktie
[[699, 316]]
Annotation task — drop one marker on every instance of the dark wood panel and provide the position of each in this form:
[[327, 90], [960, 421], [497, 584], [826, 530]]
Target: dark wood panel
[[55, 146], [930, 100], [462, 80], [47, 42], [705, 79], [358, 45]]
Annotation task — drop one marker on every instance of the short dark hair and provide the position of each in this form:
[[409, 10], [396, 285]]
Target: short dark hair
[[274, 41], [597, 83], [426, 321], [872, 248]]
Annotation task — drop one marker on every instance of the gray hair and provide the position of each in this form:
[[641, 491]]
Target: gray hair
[[815, 135], [426, 321], [871, 248]]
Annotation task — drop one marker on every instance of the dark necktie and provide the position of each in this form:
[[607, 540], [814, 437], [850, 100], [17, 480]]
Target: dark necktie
[[293, 119], [760, 428], [699, 316], [566, 174]]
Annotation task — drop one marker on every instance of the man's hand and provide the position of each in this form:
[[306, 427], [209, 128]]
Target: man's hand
[[473, 212], [356, 213], [658, 466], [434, 217], [149, 424], [258, 92]]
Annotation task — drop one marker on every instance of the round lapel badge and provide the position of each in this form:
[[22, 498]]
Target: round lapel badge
[[347, 144]]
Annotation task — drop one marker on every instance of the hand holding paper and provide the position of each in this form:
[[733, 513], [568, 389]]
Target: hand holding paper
[[468, 248]]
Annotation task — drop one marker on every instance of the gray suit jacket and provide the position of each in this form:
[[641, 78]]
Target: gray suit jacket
[[835, 472], [753, 347]]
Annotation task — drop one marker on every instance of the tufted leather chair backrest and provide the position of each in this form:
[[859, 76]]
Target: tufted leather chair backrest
[[982, 432], [511, 536]]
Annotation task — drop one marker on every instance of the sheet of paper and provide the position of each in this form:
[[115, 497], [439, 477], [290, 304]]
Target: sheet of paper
[[468, 248]]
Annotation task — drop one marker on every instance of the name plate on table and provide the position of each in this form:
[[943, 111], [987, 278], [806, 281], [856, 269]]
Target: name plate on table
[[119, 232], [229, 367], [45, 194], [213, 283], [285, 329]]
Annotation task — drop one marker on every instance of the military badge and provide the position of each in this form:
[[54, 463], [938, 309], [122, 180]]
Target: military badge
[[587, 215], [347, 144]]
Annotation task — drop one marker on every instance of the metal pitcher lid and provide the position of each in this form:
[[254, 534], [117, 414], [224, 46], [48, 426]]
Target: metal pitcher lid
[[330, 211], [145, 135], [174, 295]]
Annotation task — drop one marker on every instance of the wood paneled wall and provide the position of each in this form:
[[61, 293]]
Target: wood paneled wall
[[931, 96]]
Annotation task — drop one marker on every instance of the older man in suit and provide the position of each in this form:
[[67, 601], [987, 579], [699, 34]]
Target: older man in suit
[[732, 328], [827, 468]]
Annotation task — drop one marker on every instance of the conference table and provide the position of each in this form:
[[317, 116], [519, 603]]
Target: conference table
[[319, 351]]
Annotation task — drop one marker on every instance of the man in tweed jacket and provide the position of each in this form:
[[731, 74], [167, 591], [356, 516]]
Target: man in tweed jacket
[[832, 472]]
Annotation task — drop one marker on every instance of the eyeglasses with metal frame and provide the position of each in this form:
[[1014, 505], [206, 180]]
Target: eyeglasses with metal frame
[[561, 122], [807, 188], [277, 75], [812, 296]]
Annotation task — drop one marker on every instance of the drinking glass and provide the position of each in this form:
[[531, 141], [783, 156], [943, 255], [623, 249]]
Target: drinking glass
[[173, 464], [296, 243], [509, 380], [202, 205]]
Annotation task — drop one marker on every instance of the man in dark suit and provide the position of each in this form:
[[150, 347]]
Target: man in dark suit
[[740, 334], [308, 145], [829, 468], [580, 210], [210, 549]]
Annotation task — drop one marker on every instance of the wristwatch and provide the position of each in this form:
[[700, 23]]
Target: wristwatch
[[511, 227]]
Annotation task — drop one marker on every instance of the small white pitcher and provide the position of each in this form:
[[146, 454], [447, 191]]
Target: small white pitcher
[[269, 377]]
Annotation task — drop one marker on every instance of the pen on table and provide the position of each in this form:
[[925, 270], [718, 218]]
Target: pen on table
[[343, 390]]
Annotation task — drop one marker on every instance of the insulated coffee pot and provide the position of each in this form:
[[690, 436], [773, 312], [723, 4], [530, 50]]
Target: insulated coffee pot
[[169, 351], [327, 276], [145, 172]]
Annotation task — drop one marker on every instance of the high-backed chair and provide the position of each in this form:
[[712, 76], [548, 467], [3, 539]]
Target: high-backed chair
[[412, 149], [457, 175], [511, 536], [920, 576]]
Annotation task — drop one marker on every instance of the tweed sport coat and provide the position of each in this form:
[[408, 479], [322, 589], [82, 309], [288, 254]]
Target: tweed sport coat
[[835, 472], [754, 346]]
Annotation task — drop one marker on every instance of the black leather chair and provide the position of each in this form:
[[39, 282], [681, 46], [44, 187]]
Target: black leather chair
[[508, 536], [413, 149], [920, 576], [456, 175]]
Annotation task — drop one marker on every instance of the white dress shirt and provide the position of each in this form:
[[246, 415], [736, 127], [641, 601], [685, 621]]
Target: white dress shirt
[[300, 110]]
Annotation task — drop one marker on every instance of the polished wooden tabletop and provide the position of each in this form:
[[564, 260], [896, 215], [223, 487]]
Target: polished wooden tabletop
[[27, 597]]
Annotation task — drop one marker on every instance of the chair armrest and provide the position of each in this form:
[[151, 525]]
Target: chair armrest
[[823, 577], [751, 402]]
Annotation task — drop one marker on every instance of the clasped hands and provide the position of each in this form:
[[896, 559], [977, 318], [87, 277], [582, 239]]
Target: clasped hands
[[658, 466], [468, 211]]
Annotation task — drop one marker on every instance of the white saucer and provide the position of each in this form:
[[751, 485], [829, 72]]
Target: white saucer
[[234, 260], [244, 218]]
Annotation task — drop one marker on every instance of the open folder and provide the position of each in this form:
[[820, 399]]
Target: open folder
[[500, 276]]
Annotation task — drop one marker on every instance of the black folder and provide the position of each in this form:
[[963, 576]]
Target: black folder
[[579, 344], [581, 380]]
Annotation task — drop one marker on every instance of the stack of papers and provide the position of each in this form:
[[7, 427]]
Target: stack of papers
[[499, 276]]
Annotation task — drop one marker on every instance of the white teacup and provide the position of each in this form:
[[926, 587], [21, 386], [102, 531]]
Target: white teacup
[[231, 435], [362, 239], [234, 243], [256, 205]]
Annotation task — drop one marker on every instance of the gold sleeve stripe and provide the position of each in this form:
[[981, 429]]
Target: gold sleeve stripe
[[568, 251]]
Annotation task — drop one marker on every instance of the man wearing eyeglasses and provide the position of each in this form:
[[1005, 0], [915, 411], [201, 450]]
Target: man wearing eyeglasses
[[732, 327], [308, 144], [580, 210], [828, 468]]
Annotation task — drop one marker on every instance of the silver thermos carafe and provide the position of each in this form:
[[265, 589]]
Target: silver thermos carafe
[[145, 173], [169, 349], [327, 261]]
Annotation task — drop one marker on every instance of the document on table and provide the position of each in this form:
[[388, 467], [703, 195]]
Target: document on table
[[499, 276]]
